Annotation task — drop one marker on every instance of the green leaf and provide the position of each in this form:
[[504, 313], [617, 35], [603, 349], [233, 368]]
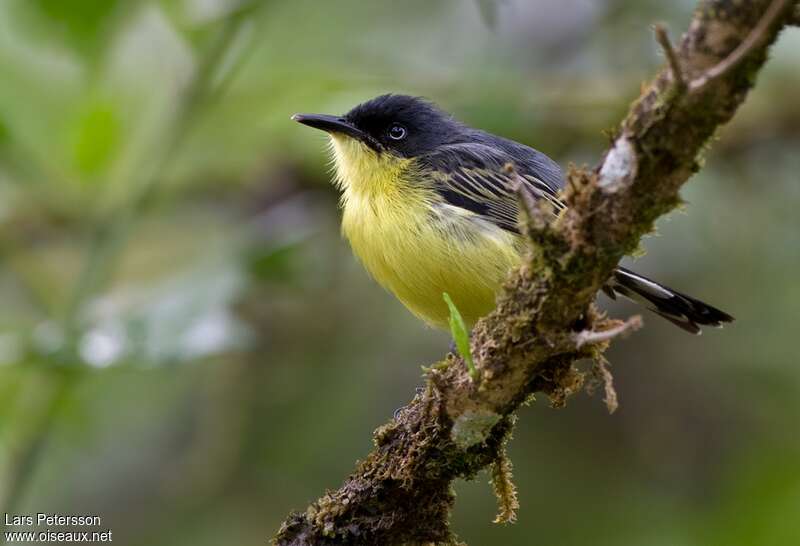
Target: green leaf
[[83, 23], [97, 136], [460, 333], [4, 133]]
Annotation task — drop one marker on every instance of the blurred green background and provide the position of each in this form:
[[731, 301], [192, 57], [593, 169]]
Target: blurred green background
[[190, 351]]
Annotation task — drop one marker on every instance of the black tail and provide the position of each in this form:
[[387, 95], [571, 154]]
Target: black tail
[[680, 309]]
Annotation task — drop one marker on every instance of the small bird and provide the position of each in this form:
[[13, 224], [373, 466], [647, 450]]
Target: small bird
[[429, 207]]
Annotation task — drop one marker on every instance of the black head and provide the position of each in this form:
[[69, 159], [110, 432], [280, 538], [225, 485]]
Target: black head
[[404, 125]]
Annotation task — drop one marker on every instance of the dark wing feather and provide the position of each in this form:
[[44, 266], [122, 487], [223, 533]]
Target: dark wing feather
[[473, 176]]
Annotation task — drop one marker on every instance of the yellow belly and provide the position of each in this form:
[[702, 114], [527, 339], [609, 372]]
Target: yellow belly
[[418, 251], [412, 242]]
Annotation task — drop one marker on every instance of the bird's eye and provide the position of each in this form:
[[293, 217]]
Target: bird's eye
[[397, 132]]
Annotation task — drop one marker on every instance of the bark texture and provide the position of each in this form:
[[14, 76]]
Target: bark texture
[[401, 493]]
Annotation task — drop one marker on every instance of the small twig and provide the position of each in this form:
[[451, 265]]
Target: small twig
[[589, 336], [672, 58], [530, 213], [518, 185], [753, 40]]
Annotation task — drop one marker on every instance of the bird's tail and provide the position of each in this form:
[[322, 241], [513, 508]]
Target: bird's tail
[[682, 310]]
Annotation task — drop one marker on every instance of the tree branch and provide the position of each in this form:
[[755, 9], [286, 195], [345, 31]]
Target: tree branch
[[401, 493], [622, 329], [756, 37], [663, 40]]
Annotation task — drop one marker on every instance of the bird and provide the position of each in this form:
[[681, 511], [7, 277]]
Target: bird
[[430, 206]]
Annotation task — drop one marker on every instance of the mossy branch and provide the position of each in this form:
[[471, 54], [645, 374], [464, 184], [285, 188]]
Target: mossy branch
[[545, 320]]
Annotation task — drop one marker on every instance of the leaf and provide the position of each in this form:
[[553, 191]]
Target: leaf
[[83, 23], [97, 136], [460, 333], [4, 132]]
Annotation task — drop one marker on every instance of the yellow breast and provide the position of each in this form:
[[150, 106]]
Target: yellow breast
[[415, 244]]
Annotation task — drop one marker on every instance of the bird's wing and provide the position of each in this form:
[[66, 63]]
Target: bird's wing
[[474, 177]]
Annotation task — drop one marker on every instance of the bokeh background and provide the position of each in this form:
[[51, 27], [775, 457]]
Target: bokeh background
[[190, 351]]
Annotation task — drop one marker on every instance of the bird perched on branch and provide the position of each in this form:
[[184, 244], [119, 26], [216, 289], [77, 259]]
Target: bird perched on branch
[[429, 206]]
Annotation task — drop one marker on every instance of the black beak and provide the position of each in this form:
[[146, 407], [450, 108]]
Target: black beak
[[336, 124]]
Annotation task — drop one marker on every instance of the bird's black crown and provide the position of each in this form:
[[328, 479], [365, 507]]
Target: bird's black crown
[[408, 126]]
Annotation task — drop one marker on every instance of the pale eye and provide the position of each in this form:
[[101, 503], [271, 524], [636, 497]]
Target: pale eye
[[397, 132]]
